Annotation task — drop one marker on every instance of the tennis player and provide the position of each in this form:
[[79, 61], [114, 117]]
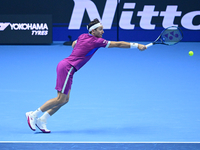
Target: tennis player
[[83, 49]]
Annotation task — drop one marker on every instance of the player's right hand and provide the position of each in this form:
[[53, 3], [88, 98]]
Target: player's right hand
[[141, 47]]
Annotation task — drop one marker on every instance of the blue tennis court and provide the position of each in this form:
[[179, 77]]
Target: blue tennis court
[[120, 95]]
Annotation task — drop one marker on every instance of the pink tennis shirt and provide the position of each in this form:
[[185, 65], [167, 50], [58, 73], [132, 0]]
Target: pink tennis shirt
[[84, 49]]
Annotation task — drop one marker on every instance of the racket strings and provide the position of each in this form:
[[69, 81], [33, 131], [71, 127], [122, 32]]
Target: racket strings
[[171, 36]]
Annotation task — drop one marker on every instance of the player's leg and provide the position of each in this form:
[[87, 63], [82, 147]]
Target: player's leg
[[49, 107], [64, 80], [54, 103], [32, 116], [41, 122], [56, 108]]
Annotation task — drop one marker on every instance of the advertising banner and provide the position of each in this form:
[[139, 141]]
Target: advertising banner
[[131, 20], [127, 20], [25, 29]]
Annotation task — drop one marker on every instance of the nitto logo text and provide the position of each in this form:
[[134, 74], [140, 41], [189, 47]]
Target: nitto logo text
[[149, 11]]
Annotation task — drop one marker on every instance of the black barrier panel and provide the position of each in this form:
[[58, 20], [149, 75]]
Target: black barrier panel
[[25, 29]]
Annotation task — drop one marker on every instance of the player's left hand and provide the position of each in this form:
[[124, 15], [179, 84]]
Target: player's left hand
[[141, 47]]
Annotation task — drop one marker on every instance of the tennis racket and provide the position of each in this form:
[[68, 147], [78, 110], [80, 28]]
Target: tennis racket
[[169, 36]]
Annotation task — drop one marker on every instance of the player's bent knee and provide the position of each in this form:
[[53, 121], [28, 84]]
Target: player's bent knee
[[63, 99], [66, 101]]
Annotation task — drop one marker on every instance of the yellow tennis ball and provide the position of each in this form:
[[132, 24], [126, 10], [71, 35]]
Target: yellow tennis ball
[[191, 53]]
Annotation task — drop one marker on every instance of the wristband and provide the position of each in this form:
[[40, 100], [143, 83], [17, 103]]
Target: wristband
[[133, 45]]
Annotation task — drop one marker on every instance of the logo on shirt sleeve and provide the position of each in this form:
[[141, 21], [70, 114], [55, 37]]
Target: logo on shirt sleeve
[[105, 41]]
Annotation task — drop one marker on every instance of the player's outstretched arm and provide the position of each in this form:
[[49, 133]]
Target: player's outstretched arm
[[122, 44]]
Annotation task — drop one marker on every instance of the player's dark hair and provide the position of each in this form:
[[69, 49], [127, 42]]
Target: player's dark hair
[[95, 21]]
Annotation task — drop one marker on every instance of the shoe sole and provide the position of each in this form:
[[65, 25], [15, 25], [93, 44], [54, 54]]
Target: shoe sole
[[28, 120], [44, 131]]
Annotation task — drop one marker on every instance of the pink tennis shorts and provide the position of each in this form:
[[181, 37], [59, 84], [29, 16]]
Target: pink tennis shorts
[[65, 74]]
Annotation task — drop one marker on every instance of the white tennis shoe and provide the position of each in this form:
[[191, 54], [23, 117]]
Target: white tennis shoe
[[31, 119], [41, 124]]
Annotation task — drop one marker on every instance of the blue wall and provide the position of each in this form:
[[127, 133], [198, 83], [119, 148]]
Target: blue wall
[[128, 20]]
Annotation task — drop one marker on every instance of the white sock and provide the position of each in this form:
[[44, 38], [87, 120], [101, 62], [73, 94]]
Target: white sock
[[45, 116], [37, 112]]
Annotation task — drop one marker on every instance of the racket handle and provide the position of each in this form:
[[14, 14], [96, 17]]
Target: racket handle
[[148, 45]]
